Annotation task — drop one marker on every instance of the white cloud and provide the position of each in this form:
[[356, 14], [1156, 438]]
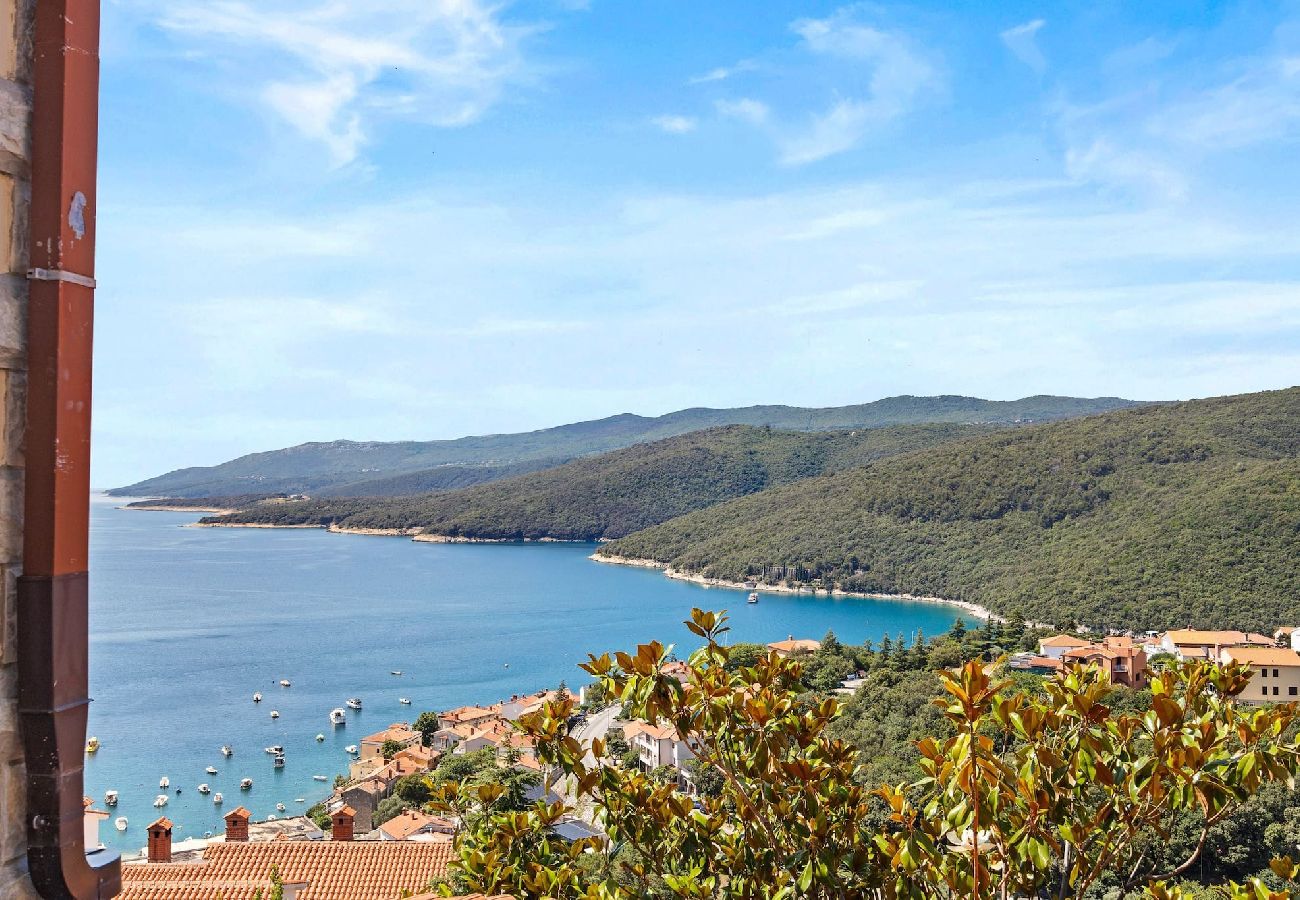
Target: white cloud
[[674, 124], [1022, 41], [897, 73], [745, 109], [722, 73], [1263, 104], [332, 69]]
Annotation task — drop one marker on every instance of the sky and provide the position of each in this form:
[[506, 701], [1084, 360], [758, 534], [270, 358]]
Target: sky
[[419, 219]]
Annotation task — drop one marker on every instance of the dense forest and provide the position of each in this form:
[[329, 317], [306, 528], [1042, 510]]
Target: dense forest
[[614, 494], [340, 467], [1153, 517]]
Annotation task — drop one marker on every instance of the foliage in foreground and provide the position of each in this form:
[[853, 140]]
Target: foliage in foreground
[[1052, 795]]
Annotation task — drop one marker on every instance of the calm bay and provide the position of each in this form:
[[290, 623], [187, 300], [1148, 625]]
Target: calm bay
[[187, 623]]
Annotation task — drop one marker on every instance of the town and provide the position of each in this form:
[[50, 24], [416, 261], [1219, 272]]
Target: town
[[374, 838]]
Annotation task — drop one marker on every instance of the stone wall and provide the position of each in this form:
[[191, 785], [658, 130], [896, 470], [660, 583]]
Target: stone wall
[[15, 190]]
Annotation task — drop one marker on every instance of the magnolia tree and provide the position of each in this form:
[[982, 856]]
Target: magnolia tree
[[1046, 796]]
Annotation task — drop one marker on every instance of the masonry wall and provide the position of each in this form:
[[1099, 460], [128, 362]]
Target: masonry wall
[[16, 18]]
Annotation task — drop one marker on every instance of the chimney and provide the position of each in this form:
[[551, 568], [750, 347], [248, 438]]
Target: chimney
[[341, 823], [237, 825], [160, 841]]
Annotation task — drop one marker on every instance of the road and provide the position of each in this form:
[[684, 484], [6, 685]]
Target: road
[[596, 726]]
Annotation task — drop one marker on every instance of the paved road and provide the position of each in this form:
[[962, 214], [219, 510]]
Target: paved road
[[596, 726]]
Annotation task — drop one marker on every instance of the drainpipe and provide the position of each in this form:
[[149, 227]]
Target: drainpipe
[[52, 597]]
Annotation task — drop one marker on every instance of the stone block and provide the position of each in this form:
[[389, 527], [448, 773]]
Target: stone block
[[13, 411], [8, 623], [13, 321], [11, 515]]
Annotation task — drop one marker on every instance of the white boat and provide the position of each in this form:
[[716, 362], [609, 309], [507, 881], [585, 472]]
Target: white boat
[[397, 671], [405, 701], [160, 800], [211, 770], [120, 823], [320, 778], [753, 597], [246, 784], [338, 716], [284, 682], [226, 750], [110, 798], [279, 761], [350, 748], [275, 714], [164, 782], [92, 745], [274, 749], [320, 738], [354, 702], [204, 789], [257, 698], [279, 807], [271, 818], [299, 799], [217, 798]]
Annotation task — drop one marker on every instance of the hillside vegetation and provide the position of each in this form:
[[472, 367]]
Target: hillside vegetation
[[622, 491], [1161, 516], [341, 467]]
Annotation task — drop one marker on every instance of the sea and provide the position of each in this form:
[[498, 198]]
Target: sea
[[188, 623]]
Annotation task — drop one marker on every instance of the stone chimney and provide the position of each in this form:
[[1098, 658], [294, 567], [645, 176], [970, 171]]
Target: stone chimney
[[160, 841], [342, 823], [237, 825]]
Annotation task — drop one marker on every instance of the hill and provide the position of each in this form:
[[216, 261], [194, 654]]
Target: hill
[[317, 468], [1161, 516], [619, 492]]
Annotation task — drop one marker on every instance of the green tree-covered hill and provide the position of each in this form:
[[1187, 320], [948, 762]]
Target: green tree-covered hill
[[341, 467], [1160, 516], [616, 493]]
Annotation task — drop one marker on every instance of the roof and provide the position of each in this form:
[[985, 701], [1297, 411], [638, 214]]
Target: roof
[[163, 822], [345, 810], [398, 731], [1263, 656], [793, 644], [332, 870], [1063, 640], [1216, 638], [239, 812], [403, 825], [658, 732]]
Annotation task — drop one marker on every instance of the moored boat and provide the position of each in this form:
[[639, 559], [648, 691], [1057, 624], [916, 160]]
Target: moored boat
[[350, 748], [257, 697], [246, 784], [164, 782], [753, 597], [160, 800], [110, 798], [284, 682], [279, 807], [217, 798], [320, 778], [338, 716], [278, 762], [405, 701], [320, 738], [204, 789], [226, 750], [354, 702], [274, 749], [92, 745], [275, 714], [211, 770], [120, 823]]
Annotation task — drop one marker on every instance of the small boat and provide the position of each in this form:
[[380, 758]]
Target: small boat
[[338, 716], [211, 770], [120, 823], [279, 807], [284, 682], [320, 778], [354, 702], [204, 789], [753, 597], [226, 750], [217, 798], [299, 799], [164, 782], [320, 738], [110, 798], [271, 818], [279, 761], [275, 714], [92, 745], [246, 784], [178, 790], [160, 800], [350, 748], [274, 749], [506, 666], [397, 671], [405, 701], [257, 698]]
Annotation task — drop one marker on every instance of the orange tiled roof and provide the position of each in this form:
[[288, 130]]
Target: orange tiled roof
[[1063, 640], [398, 731], [658, 732], [793, 644], [403, 825], [1263, 656], [1215, 638], [333, 870]]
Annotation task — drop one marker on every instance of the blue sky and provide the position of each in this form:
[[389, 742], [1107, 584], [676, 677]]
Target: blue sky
[[396, 219]]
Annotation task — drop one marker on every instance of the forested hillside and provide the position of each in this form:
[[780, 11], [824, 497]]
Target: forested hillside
[[337, 467], [620, 492], [1174, 515]]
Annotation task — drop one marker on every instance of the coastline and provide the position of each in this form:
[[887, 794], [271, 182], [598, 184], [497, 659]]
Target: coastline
[[973, 609], [213, 510], [413, 533]]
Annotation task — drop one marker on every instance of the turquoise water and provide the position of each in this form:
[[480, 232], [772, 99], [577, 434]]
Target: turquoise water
[[186, 623]]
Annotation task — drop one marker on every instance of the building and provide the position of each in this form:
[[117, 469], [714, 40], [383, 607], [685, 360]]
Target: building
[[91, 820], [234, 869], [1287, 637], [657, 745], [1275, 670], [414, 825], [1193, 643], [1055, 647], [372, 745], [468, 715], [792, 645], [516, 707], [1123, 661]]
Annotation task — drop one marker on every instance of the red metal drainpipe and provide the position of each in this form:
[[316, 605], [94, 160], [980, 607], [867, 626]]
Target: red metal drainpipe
[[52, 597]]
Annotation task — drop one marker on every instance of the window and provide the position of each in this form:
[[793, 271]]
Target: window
[[1264, 690], [1291, 690], [1275, 690], [1275, 673], [1263, 673]]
